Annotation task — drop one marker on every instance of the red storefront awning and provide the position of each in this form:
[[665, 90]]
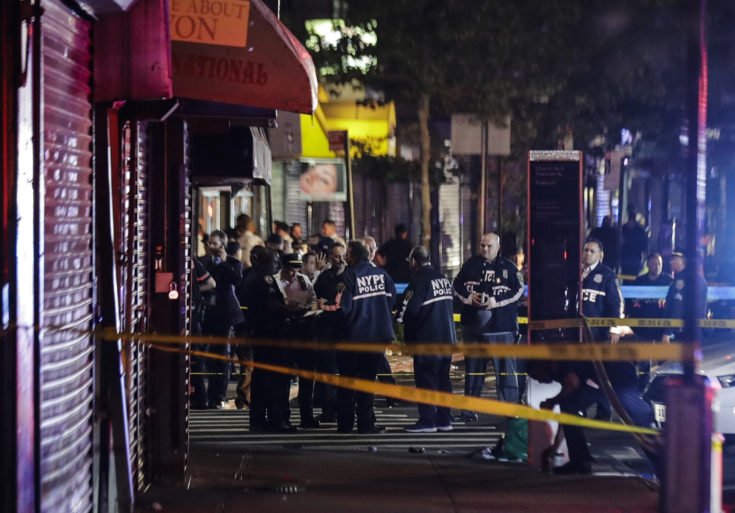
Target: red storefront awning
[[136, 59]]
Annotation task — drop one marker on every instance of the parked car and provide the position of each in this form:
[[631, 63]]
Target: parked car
[[718, 364]]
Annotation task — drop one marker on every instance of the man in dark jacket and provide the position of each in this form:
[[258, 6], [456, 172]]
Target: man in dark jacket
[[330, 326], [490, 286], [688, 281], [601, 294], [227, 273], [428, 316], [366, 301], [602, 297], [580, 389], [649, 308], [394, 253], [267, 315]]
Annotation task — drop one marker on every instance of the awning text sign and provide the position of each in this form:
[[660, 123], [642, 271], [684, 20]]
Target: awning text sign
[[211, 22]]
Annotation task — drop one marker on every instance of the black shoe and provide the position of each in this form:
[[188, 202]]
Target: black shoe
[[466, 416], [309, 423], [325, 417], [258, 428], [219, 405], [573, 468], [283, 428], [198, 406], [344, 430], [371, 430], [241, 404]]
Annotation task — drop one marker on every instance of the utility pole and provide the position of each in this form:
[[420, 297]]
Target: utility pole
[[692, 456], [482, 197]]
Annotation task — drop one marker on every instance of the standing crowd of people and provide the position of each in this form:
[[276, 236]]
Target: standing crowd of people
[[326, 289], [322, 288]]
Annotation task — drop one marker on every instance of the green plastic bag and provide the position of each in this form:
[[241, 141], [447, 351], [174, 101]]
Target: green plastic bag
[[515, 443]]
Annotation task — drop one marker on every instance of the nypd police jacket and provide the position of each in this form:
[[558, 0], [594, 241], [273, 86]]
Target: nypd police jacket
[[501, 280], [427, 308], [367, 299]]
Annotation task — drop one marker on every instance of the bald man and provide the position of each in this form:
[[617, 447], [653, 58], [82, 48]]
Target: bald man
[[490, 286]]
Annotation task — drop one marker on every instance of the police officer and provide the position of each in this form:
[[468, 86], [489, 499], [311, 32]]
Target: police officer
[[226, 269], [385, 373], [428, 316], [648, 308], [601, 294], [366, 302], [267, 314], [330, 326], [688, 280], [602, 297], [490, 287], [298, 293]]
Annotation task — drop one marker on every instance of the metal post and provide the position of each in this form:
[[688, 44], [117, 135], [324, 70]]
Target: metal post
[[482, 196], [499, 162], [350, 191], [692, 451], [696, 175]]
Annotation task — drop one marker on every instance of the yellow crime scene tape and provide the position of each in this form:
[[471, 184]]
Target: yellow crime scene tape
[[521, 320], [418, 395], [606, 322], [566, 351]]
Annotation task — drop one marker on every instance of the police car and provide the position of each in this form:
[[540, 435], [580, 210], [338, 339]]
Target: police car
[[718, 364]]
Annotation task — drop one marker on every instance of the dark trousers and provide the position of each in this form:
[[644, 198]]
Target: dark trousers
[[244, 355], [305, 360], [218, 369], [269, 398], [329, 327], [198, 384], [325, 396], [506, 373], [362, 366], [432, 373]]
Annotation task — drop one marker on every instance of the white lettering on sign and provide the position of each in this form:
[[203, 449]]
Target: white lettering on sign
[[370, 283], [213, 22], [441, 287]]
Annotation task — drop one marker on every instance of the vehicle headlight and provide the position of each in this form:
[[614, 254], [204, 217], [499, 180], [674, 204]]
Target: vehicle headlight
[[727, 381]]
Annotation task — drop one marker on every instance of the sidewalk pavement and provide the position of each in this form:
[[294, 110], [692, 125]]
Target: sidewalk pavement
[[309, 481]]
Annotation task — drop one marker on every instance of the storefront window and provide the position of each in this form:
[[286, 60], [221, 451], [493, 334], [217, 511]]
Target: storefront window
[[242, 203], [209, 213]]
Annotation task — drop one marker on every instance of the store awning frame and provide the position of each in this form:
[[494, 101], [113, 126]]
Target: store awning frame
[[135, 59]]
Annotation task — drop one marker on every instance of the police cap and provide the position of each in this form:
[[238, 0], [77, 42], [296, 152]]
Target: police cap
[[291, 261]]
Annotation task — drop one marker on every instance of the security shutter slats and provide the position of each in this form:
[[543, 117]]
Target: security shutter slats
[[135, 284], [66, 351], [295, 206]]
